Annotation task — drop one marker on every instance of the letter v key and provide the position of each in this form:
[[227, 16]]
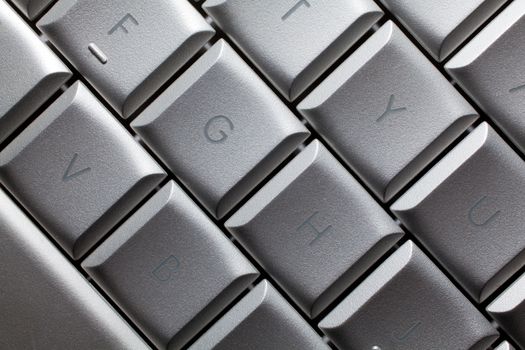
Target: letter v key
[[70, 176], [390, 109]]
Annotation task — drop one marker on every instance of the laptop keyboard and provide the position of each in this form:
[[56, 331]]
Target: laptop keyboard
[[278, 174]]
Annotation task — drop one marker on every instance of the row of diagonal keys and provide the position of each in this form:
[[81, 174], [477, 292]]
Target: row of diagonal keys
[[468, 211], [77, 170], [508, 309], [262, 320], [293, 41], [30, 72], [314, 228], [491, 68], [220, 129], [441, 26], [170, 268], [126, 49], [407, 304], [44, 302], [387, 111]]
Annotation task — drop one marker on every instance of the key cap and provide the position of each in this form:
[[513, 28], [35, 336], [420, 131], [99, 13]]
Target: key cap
[[508, 309], [440, 27], [77, 170], [294, 41], [407, 303], [491, 69], [387, 111], [126, 49], [30, 72], [314, 228], [262, 320], [32, 8], [220, 129], [468, 211], [505, 346], [44, 302], [170, 268]]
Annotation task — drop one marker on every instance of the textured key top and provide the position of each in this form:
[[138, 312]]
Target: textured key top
[[468, 211], [491, 68], [262, 320], [77, 170], [126, 49], [314, 228], [508, 310], [220, 129], [441, 26], [44, 302], [30, 73], [32, 8], [170, 268], [294, 41], [505, 346], [407, 303], [387, 111]]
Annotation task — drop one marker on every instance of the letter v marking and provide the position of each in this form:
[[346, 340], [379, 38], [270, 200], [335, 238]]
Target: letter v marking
[[70, 176]]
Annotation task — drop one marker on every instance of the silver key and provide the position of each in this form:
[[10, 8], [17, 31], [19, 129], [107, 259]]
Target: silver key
[[504, 346], [262, 320], [44, 302], [441, 26], [170, 268], [314, 228], [220, 129], [32, 8], [294, 41], [491, 68], [408, 304], [508, 309], [468, 211], [30, 72], [387, 111], [126, 49], [77, 170]]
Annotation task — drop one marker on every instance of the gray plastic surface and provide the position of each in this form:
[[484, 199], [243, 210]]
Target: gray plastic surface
[[30, 73], [491, 67], [441, 26], [170, 268], [293, 41], [32, 8], [220, 129], [44, 301], [407, 303], [387, 111], [126, 49], [508, 309], [262, 320], [314, 228], [468, 211], [77, 170]]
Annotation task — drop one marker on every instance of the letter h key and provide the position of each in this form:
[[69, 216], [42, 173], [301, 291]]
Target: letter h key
[[309, 226]]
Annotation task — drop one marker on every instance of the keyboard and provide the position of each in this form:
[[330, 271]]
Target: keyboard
[[262, 175]]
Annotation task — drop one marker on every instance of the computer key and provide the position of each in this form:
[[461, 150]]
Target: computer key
[[45, 303], [77, 170], [126, 49], [30, 71], [220, 129], [504, 346], [170, 268], [314, 228], [407, 303], [468, 211], [491, 69], [262, 320], [387, 111], [441, 26], [508, 309], [294, 41]]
